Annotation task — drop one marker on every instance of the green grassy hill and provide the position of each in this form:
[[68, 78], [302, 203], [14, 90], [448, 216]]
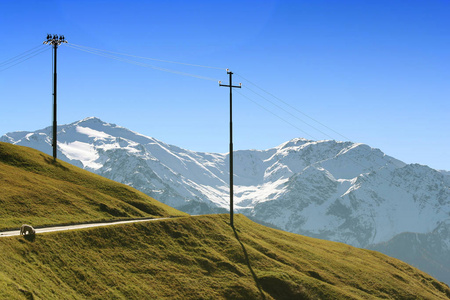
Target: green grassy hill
[[38, 191], [202, 258], [181, 258]]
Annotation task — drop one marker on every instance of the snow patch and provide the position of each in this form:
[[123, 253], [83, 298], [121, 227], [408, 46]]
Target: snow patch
[[93, 133], [83, 152]]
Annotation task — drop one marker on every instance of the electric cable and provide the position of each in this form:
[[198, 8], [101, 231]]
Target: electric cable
[[19, 56], [294, 108], [284, 120], [288, 112], [149, 58], [24, 58], [141, 64]]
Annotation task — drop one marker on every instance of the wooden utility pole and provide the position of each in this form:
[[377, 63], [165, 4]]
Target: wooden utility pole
[[55, 41], [231, 86]]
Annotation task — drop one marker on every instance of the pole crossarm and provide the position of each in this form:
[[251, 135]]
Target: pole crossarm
[[227, 85], [55, 41], [231, 86]]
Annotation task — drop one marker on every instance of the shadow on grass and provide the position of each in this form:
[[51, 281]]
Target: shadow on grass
[[275, 286], [57, 164], [30, 237], [248, 264]]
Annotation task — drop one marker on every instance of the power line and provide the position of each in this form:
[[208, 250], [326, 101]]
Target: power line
[[288, 112], [294, 108], [141, 64], [19, 56], [284, 120], [22, 59], [149, 58]]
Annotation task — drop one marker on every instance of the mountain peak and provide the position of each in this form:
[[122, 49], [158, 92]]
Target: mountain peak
[[294, 142], [89, 121], [92, 119]]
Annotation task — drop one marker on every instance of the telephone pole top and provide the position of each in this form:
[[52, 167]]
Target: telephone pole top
[[231, 86], [54, 40]]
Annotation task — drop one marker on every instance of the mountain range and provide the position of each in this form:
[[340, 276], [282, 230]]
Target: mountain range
[[340, 191]]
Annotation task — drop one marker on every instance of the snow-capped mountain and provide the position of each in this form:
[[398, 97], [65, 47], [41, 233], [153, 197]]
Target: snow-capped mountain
[[340, 191]]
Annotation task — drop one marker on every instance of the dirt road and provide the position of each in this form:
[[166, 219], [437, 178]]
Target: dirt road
[[77, 226]]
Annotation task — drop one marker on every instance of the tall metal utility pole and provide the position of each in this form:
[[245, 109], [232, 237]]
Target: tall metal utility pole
[[55, 41], [231, 86]]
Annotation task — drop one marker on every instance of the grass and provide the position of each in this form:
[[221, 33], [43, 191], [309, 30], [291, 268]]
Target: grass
[[38, 191], [198, 257], [202, 258]]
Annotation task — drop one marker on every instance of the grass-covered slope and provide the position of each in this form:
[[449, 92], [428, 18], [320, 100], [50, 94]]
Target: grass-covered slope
[[202, 258], [36, 190]]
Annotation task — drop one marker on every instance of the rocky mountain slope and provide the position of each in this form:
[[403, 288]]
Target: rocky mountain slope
[[340, 191]]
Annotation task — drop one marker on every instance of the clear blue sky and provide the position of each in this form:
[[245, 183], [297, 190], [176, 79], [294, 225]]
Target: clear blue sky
[[377, 72]]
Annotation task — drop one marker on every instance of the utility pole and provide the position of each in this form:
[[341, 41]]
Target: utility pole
[[231, 86], [55, 41]]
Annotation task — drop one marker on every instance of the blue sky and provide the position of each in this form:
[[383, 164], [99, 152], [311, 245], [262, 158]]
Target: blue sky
[[374, 72]]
